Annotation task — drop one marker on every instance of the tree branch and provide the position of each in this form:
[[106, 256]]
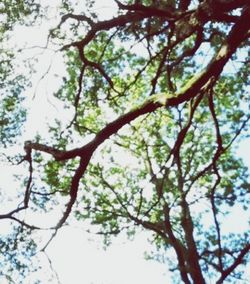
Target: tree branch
[[149, 10], [189, 91], [215, 67], [179, 249], [79, 18], [217, 181], [237, 262]]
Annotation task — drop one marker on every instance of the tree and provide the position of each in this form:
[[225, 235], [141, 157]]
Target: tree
[[153, 84]]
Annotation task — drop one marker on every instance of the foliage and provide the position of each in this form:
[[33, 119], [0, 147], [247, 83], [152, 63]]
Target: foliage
[[156, 110]]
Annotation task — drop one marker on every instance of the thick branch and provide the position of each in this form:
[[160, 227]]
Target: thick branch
[[228, 5], [116, 22], [183, 5], [179, 249], [237, 262], [148, 10], [74, 188], [214, 69], [79, 18], [192, 253], [189, 91]]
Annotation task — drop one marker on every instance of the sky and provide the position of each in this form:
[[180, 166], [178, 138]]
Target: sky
[[121, 263], [77, 256]]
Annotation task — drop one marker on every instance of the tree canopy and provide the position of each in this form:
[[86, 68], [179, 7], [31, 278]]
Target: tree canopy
[[158, 98]]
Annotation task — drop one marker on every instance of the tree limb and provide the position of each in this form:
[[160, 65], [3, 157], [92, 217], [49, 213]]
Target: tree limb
[[189, 91], [237, 262]]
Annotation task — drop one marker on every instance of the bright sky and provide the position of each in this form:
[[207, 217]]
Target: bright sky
[[78, 256], [81, 261]]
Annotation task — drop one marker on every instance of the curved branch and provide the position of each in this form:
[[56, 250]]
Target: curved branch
[[74, 188], [79, 18], [217, 181], [214, 69], [189, 91], [116, 22], [237, 262]]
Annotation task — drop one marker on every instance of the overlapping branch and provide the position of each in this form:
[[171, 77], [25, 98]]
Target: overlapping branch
[[186, 23], [198, 84], [239, 259], [189, 91], [178, 33]]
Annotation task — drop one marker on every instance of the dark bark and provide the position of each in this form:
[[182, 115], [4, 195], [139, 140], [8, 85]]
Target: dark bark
[[192, 253], [189, 91], [239, 260], [178, 247]]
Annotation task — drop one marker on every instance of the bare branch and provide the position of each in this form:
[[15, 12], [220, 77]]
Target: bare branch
[[27, 192], [32, 227], [236, 263], [218, 179], [52, 268], [74, 188], [50, 240], [79, 18]]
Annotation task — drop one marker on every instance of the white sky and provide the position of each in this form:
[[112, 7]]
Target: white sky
[[121, 263], [76, 258]]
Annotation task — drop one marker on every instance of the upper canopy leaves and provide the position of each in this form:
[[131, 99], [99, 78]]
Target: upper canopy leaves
[[156, 108]]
